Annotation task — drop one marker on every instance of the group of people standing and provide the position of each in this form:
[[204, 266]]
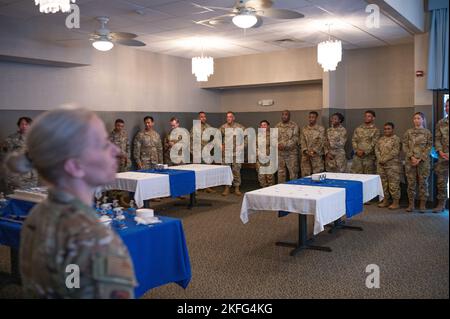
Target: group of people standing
[[319, 149], [312, 149]]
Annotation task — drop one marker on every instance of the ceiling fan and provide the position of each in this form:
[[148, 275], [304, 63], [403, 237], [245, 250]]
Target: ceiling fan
[[249, 14], [103, 39]]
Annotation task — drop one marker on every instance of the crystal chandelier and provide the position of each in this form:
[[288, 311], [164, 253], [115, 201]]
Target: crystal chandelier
[[53, 6], [329, 54], [202, 67]]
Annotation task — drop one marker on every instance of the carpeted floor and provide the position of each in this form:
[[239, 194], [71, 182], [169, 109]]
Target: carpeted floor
[[233, 260]]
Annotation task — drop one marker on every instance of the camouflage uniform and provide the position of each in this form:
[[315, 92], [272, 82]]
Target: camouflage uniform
[[203, 143], [417, 142], [235, 167], [148, 149], [312, 138], [389, 167], [365, 138], [168, 147], [61, 231], [288, 135], [16, 143], [121, 141], [265, 180], [441, 167], [336, 137]]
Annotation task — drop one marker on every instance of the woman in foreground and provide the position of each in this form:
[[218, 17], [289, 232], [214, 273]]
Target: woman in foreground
[[65, 252]]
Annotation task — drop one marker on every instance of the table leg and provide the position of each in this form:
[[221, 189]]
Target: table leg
[[340, 224], [193, 202], [14, 257], [12, 277], [303, 242]]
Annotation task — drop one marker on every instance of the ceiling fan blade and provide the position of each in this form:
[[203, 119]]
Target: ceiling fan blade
[[68, 40], [280, 14], [123, 35], [130, 42], [215, 20], [258, 23], [218, 8], [259, 4]]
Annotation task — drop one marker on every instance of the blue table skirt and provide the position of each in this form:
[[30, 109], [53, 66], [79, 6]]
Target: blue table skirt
[[10, 234], [353, 193], [181, 182], [159, 252], [17, 207]]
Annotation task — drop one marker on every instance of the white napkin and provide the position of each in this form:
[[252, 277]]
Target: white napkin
[[147, 220]]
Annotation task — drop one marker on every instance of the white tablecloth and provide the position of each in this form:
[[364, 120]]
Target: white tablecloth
[[325, 203], [209, 175], [372, 186], [144, 185]]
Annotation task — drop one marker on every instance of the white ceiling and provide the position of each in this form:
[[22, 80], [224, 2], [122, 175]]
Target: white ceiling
[[167, 26]]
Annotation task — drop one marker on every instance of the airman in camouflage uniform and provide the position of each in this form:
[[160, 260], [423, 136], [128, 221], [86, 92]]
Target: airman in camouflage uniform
[[336, 137], [312, 141], [235, 167], [441, 167], [147, 146], [16, 143], [364, 140], [264, 180], [63, 231], [417, 143], [204, 125], [389, 167], [288, 140], [119, 137], [169, 143]]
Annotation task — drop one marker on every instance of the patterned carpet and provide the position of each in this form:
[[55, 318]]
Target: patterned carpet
[[233, 260]]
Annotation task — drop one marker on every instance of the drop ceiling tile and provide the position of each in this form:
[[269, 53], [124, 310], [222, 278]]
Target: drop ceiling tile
[[106, 8], [149, 3], [215, 3], [291, 4], [180, 9], [144, 15], [142, 29], [341, 6]]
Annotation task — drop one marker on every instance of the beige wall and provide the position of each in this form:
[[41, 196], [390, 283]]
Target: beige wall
[[422, 96], [334, 84], [287, 66], [292, 97], [122, 79], [380, 77]]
